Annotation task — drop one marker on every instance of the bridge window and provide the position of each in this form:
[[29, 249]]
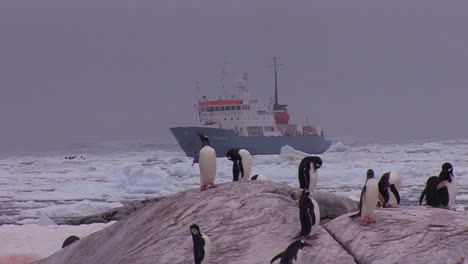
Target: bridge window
[[210, 109], [238, 107], [221, 108], [216, 108]]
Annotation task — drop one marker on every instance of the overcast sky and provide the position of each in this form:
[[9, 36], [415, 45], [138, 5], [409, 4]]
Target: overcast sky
[[74, 71]]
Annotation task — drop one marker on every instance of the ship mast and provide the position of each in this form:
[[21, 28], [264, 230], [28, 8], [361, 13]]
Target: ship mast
[[223, 73], [277, 106]]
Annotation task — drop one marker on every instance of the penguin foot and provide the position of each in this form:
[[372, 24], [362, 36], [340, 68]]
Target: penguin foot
[[212, 185], [202, 188], [364, 223], [371, 221]]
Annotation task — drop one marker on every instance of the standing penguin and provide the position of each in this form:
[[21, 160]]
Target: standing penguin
[[447, 188], [242, 164], [309, 214], [389, 186], [308, 172], [201, 245], [292, 253], [441, 191], [207, 163], [368, 200]]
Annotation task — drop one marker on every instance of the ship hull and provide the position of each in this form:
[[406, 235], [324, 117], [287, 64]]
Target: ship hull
[[224, 139]]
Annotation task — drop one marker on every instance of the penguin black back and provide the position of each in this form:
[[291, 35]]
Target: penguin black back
[[383, 187], [69, 240], [237, 167], [290, 253], [198, 244], [430, 192], [304, 167], [306, 213]]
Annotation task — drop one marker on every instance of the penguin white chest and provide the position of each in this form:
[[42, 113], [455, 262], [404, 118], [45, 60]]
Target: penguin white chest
[[452, 188], [316, 213], [246, 164], [207, 165], [207, 249], [313, 179], [369, 201], [394, 179]]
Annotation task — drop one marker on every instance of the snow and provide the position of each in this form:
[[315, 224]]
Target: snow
[[39, 241], [114, 174]]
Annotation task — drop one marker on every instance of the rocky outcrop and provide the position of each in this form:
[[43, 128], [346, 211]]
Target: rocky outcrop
[[247, 222], [405, 235], [331, 206], [250, 222]]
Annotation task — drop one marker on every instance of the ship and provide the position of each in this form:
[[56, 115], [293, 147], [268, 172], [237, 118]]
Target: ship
[[238, 121]]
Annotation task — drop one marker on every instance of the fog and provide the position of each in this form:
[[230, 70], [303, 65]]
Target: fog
[[88, 71]]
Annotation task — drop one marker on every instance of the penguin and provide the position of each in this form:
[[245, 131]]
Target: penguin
[[309, 214], [69, 240], [242, 164], [389, 185], [447, 187], [307, 173], [368, 200], [207, 163], [292, 254], [430, 192], [201, 245], [259, 177], [441, 191]]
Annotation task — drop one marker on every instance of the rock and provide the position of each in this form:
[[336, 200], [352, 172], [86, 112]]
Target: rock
[[405, 235], [93, 220], [247, 222], [332, 205]]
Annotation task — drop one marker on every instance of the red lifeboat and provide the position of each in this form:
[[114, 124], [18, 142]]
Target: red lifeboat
[[282, 118]]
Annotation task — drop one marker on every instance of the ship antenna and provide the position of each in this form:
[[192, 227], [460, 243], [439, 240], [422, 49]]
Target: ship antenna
[[223, 75], [276, 106], [197, 87]]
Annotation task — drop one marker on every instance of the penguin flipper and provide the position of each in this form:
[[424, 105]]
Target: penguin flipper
[[395, 192], [422, 196], [297, 236], [360, 203], [276, 257], [311, 212]]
